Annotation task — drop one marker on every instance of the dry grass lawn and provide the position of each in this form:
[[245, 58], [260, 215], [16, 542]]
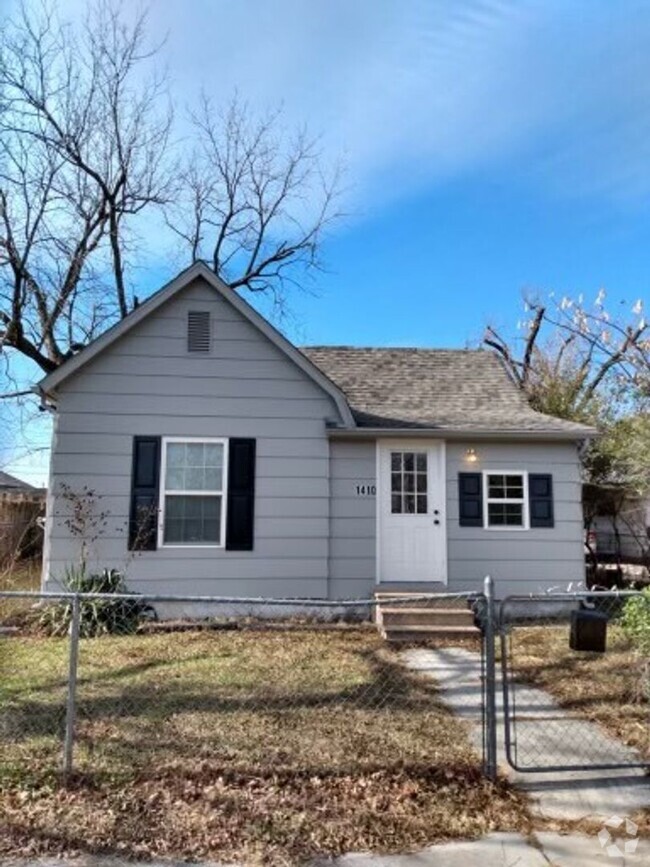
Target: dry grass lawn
[[24, 575], [266, 747]]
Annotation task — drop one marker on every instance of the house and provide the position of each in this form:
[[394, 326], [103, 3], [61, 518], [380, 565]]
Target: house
[[12, 485], [231, 462], [617, 521]]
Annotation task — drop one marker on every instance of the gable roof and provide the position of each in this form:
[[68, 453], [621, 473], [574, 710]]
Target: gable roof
[[434, 389], [11, 483], [49, 383]]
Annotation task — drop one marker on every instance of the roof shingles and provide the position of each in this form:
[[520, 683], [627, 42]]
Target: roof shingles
[[445, 389], [11, 483]]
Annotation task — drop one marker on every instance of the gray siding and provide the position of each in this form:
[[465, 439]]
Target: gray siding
[[146, 383], [520, 561], [353, 525], [315, 536]]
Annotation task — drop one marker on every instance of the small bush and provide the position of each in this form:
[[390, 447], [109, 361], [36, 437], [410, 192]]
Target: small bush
[[636, 625], [636, 621], [97, 616]]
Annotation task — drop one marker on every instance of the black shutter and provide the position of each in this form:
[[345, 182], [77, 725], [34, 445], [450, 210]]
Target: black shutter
[[145, 476], [540, 497], [470, 500], [240, 515]]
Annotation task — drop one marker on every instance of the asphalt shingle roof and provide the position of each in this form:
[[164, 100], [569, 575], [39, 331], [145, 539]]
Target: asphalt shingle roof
[[11, 483], [446, 389]]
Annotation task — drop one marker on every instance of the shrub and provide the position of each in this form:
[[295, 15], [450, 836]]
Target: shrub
[[636, 621], [636, 625], [97, 616]]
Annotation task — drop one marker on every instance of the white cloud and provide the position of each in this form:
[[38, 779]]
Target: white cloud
[[418, 92]]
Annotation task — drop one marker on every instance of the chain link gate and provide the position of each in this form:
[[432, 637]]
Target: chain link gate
[[485, 612], [561, 654]]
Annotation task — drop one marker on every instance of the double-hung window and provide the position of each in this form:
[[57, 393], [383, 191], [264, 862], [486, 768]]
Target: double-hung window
[[193, 486], [506, 495]]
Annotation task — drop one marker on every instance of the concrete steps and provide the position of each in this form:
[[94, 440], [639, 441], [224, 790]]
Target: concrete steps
[[400, 619], [410, 634], [393, 617], [414, 599]]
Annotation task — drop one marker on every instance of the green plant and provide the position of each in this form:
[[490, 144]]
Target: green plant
[[636, 621], [102, 616], [636, 625]]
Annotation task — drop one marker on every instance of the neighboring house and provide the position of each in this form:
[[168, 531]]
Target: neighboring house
[[231, 462], [617, 523], [12, 485]]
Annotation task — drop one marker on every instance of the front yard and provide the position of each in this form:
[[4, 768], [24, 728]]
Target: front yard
[[267, 745], [256, 746]]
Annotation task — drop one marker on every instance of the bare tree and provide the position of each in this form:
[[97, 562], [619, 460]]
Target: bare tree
[[86, 151], [83, 140], [253, 202], [585, 364], [573, 357]]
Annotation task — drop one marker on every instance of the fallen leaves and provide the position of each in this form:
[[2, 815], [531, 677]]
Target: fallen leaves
[[251, 747], [279, 818]]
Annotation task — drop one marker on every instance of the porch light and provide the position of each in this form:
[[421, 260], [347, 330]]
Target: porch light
[[470, 456]]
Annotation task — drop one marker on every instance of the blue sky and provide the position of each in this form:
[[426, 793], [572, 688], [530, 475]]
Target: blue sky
[[492, 148], [440, 266]]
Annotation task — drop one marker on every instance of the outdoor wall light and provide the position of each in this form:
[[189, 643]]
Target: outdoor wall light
[[470, 456]]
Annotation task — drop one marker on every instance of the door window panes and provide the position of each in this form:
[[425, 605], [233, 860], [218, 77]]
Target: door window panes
[[408, 483]]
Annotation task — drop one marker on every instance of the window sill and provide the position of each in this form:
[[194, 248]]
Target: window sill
[[506, 529]]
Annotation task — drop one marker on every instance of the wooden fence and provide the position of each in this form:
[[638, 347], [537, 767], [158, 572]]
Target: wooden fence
[[21, 533]]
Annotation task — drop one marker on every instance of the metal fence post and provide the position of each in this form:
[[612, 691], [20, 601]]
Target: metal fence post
[[490, 682], [71, 703]]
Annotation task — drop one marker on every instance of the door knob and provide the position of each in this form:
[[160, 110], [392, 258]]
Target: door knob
[[436, 522], [436, 512]]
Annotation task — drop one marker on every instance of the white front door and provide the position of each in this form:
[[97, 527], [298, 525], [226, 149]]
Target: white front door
[[412, 533]]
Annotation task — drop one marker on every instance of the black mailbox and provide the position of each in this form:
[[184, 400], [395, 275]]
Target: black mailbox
[[588, 631]]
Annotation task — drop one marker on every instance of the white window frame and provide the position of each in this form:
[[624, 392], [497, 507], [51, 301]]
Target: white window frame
[[524, 502], [163, 493]]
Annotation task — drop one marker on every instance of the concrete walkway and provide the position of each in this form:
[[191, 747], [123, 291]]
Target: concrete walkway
[[506, 850], [546, 735], [494, 850]]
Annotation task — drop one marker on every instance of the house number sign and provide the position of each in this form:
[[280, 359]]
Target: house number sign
[[362, 489]]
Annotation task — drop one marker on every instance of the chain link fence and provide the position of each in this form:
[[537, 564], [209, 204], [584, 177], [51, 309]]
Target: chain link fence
[[97, 685], [576, 680]]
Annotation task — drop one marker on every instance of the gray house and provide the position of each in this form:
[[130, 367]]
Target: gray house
[[230, 461]]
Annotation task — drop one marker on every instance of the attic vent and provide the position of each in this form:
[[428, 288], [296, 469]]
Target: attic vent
[[198, 331]]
